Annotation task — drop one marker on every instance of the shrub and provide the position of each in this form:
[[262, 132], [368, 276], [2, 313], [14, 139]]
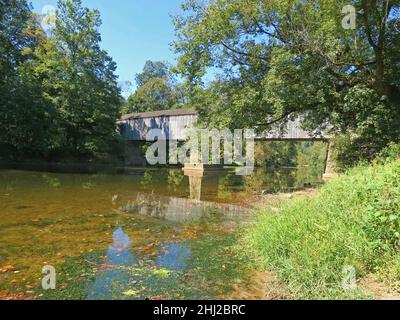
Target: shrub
[[391, 152]]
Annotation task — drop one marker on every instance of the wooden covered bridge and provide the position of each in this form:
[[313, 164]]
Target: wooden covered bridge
[[176, 124]]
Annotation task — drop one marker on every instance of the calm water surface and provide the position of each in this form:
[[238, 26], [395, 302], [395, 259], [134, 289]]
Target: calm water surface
[[153, 234]]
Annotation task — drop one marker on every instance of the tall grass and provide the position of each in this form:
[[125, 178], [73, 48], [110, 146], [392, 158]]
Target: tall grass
[[355, 221]]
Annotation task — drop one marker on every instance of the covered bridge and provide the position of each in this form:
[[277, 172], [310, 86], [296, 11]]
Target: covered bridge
[[175, 125]]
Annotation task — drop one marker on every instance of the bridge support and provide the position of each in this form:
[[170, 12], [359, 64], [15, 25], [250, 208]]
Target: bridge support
[[330, 171], [200, 168]]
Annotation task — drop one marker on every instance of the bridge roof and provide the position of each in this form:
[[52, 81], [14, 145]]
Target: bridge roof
[[157, 114]]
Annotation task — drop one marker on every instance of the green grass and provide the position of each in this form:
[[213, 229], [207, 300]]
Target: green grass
[[355, 221]]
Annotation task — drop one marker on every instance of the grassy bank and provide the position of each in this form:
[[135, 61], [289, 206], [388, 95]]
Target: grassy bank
[[313, 243]]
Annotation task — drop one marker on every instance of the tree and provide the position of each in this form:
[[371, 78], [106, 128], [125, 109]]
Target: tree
[[15, 16], [282, 58], [152, 69], [58, 92], [157, 94], [24, 115], [157, 90], [81, 81]]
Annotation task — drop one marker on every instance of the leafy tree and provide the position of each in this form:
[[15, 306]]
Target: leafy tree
[[58, 92], [15, 16], [271, 154], [284, 58], [81, 81], [157, 90], [157, 94], [24, 115], [152, 69]]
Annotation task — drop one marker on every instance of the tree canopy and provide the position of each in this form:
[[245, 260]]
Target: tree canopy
[[156, 90], [152, 69], [282, 58], [59, 94]]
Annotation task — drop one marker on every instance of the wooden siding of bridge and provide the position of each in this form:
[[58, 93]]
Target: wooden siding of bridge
[[176, 126], [172, 127]]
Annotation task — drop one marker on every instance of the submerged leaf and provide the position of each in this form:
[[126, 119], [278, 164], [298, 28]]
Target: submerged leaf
[[130, 293]]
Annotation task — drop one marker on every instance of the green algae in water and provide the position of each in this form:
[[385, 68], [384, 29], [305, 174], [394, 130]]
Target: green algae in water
[[175, 273]]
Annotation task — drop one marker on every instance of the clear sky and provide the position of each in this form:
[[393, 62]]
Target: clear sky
[[133, 31]]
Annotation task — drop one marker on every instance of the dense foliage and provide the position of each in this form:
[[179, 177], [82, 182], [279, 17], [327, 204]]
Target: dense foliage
[[281, 58], [59, 96], [354, 222], [152, 69], [156, 90]]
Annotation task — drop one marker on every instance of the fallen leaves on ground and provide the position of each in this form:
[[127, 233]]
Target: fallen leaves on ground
[[16, 296], [190, 235], [7, 268]]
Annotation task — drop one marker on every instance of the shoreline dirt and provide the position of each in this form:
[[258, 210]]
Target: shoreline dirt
[[273, 200]]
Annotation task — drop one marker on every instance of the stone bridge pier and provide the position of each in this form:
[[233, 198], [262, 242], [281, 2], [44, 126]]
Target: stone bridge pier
[[330, 170]]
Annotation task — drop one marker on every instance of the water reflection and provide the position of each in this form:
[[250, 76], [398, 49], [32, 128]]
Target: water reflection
[[195, 187], [94, 191], [122, 276], [109, 281], [174, 256], [176, 209], [118, 253], [61, 209]]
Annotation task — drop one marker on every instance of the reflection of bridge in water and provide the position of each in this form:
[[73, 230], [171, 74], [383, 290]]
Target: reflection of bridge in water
[[177, 209], [196, 181]]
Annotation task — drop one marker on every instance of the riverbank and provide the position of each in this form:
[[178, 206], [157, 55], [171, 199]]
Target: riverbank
[[264, 284], [340, 243]]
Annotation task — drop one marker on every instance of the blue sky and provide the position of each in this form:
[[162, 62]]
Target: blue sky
[[133, 31]]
